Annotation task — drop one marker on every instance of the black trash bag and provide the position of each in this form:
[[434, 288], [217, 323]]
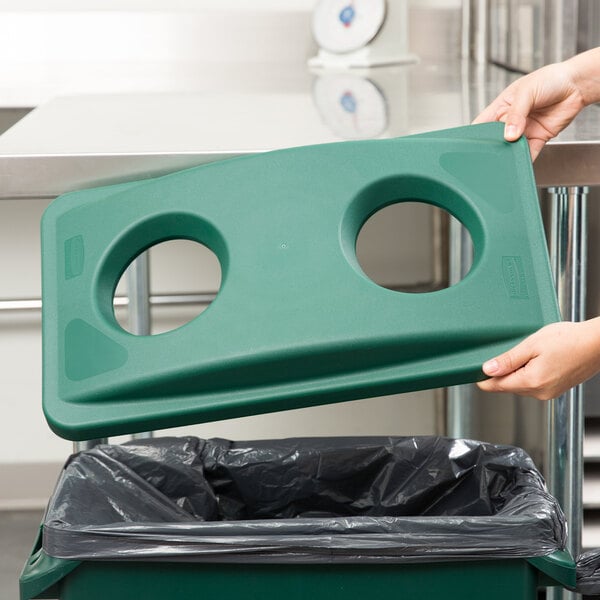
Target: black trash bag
[[588, 573], [379, 499]]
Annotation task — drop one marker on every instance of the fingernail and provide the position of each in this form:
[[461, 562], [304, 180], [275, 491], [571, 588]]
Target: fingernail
[[511, 131], [491, 366]]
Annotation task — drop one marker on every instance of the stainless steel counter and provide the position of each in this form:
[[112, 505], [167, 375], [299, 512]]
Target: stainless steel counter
[[83, 141]]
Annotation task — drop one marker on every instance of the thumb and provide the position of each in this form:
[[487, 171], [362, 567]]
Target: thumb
[[508, 362], [515, 118], [514, 125]]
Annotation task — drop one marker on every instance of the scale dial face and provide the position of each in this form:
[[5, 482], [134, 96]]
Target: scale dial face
[[346, 25], [351, 106]]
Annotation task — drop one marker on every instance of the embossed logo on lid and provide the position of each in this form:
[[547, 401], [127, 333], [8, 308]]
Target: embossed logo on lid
[[514, 277]]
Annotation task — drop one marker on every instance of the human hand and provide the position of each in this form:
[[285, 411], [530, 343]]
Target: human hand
[[539, 105], [548, 362]]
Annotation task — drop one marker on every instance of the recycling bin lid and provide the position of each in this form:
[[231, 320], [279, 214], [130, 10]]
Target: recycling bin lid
[[296, 322]]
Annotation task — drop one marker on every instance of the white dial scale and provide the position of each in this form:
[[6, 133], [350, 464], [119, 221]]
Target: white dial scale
[[360, 33]]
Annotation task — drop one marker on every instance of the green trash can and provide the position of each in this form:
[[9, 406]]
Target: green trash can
[[303, 518], [282, 223], [126, 579]]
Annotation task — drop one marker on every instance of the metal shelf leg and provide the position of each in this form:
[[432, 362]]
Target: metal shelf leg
[[459, 398], [139, 305], [138, 280], [568, 244]]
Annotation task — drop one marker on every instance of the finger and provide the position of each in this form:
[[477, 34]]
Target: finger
[[490, 385], [516, 382], [535, 147], [514, 127], [510, 361], [522, 383]]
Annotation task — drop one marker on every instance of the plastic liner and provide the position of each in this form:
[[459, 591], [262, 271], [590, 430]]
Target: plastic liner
[[588, 573], [415, 499]]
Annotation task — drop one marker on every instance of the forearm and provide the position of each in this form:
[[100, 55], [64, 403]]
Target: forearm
[[591, 341], [585, 74]]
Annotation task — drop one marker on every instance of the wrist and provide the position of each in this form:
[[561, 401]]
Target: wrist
[[585, 74]]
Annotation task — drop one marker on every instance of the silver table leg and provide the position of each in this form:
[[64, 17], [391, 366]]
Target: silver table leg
[[88, 444], [459, 398], [138, 276], [138, 284], [568, 244]]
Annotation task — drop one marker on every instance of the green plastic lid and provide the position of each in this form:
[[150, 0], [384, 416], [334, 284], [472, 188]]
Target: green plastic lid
[[296, 321]]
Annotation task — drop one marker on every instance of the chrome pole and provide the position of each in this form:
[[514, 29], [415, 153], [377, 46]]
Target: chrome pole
[[159, 300], [568, 243], [474, 30], [459, 398], [465, 29], [88, 444], [138, 280], [138, 285]]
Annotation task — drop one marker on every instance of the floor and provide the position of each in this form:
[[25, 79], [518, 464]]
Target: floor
[[17, 534]]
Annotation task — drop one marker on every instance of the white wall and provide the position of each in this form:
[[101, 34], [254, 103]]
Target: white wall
[[118, 47]]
